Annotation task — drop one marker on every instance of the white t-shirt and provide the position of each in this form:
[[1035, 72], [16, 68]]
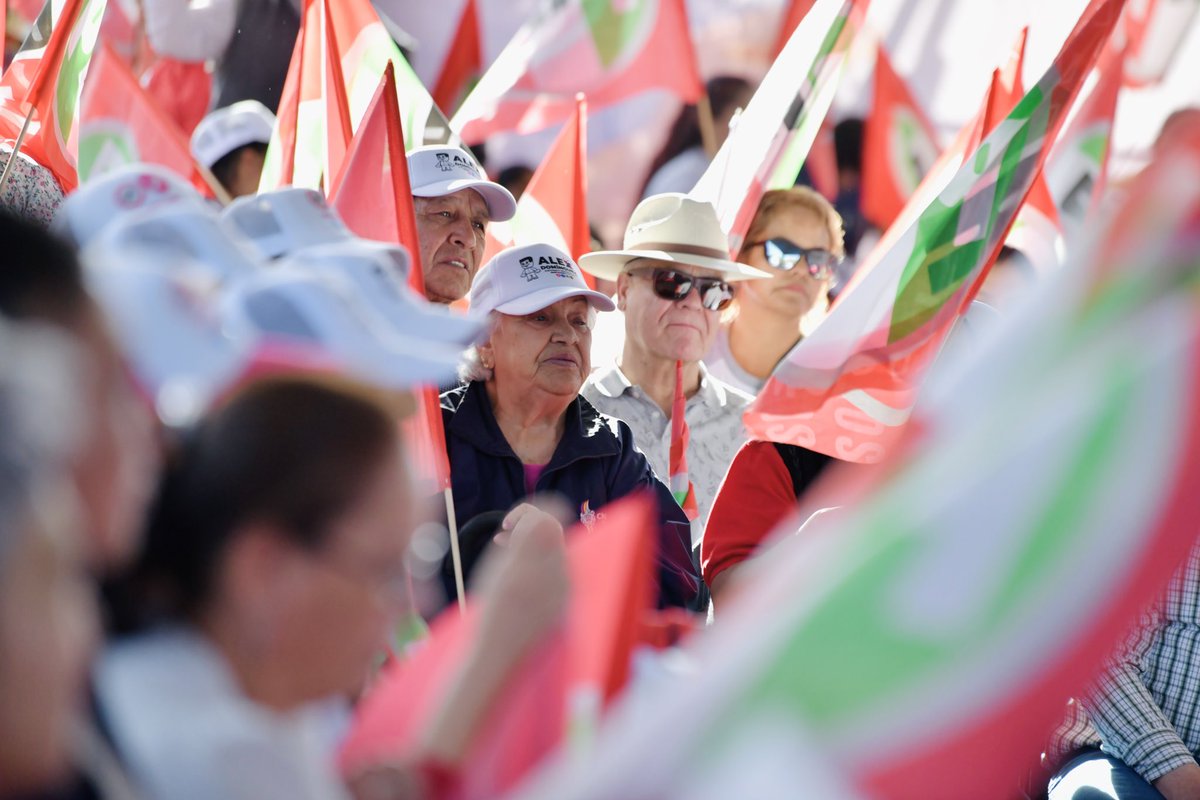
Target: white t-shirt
[[187, 732]]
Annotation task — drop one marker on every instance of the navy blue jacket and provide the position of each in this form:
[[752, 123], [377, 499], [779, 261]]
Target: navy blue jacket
[[596, 462]]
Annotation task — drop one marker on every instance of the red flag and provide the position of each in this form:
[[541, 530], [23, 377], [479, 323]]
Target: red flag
[[791, 18], [605, 49], [43, 82], [681, 482], [553, 208], [899, 147], [337, 106], [463, 59], [282, 149], [373, 197], [120, 123], [560, 688]]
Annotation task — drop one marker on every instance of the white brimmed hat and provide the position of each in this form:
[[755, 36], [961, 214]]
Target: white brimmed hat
[[673, 228], [521, 280], [379, 272], [293, 305], [282, 221], [439, 170], [125, 190], [227, 129]]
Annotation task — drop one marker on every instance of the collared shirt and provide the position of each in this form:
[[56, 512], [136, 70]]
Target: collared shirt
[[714, 417], [1145, 709]]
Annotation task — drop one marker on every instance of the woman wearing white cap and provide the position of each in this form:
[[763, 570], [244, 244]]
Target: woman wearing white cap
[[520, 426]]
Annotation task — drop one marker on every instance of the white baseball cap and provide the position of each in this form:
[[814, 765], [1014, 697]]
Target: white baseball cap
[[279, 222], [379, 273], [521, 280], [297, 306], [164, 317], [227, 129], [182, 231], [438, 170], [125, 190]]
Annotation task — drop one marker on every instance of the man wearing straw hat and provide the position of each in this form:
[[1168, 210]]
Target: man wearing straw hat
[[673, 280]]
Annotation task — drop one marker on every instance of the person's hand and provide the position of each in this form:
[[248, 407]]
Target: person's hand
[[524, 587], [1181, 783]]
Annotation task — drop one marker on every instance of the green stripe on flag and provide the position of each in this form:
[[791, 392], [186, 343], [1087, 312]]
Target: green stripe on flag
[[611, 29]]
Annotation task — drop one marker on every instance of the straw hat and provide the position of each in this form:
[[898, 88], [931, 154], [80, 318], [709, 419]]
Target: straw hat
[[674, 228]]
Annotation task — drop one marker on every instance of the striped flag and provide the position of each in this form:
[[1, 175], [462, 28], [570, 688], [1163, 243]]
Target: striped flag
[[607, 49], [681, 484], [44, 80], [848, 388], [553, 208], [767, 147], [937, 629], [900, 145], [120, 123]]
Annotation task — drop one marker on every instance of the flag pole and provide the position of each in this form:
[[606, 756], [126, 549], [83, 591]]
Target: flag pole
[[219, 190], [455, 553], [16, 148], [708, 128]]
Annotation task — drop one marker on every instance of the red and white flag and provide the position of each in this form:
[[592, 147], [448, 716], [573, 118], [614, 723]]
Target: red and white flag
[[608, 50], [900, 146]]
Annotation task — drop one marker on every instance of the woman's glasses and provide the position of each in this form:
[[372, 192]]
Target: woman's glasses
[[785, 254], [669, 284]]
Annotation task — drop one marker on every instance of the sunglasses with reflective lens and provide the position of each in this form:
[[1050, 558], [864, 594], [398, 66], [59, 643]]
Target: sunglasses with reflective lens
[[669, 284], [785, 254]]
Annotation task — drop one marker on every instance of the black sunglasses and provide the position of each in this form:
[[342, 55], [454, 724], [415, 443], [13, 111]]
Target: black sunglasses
[[785, 254], [669, 284]]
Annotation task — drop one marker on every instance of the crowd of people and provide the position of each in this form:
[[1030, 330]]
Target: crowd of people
[[207, 499]]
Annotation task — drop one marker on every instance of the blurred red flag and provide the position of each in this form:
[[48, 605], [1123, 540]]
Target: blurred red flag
[[464, 58], [558, 690], [899, 147]]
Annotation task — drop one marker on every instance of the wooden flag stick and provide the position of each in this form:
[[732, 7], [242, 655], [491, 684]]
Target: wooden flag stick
[[708, 128], [455, 554], [16, 148]]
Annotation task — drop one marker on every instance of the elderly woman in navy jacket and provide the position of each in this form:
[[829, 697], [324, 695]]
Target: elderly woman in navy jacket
[[519, 425]]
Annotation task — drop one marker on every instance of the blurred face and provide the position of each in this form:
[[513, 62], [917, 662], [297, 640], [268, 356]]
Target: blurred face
[[115, 469], [680, 330], [790, 293], [549, 349], [348, 595], [247, 174], [450, 230], [48, 627]]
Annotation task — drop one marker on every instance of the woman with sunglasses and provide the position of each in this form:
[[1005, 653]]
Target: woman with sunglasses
[[796, 237], [519, 426], [674, 278]]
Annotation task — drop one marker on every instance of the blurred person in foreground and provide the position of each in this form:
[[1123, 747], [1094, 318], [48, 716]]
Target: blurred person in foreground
[[454, 201], [674, 278], [113, 469], [273, 573], [520, 426], [48, 619], [796, 238]]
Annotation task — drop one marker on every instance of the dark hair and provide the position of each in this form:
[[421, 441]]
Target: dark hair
[[223, 168], [848, 144], [288, 451], [40, 277], [723, 91]]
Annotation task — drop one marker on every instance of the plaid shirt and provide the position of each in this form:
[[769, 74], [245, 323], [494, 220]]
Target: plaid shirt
[[1145, 708]]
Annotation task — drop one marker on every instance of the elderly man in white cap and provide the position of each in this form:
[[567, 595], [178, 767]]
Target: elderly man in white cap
[[673, 279], [454, 202], [232, 143]]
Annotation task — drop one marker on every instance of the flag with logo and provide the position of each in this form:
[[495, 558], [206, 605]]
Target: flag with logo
[[900, 145], [681, 483], [1077, 168], [43, 84], [120, 124], [848, 388], [373, 197], [553, 208], [767, 146], [557, 694], [606, 49], [939, 623]]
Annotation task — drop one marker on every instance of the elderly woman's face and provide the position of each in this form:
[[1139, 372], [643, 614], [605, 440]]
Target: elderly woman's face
[[548, 349]]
